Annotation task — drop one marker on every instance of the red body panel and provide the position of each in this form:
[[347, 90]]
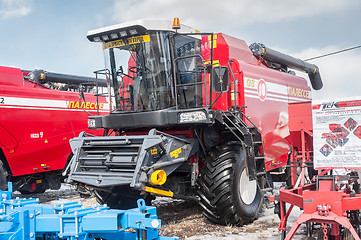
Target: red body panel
[[266, 93], [300, 117], [36, 123]]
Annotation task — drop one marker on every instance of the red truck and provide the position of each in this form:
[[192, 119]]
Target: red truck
[[39, 112]]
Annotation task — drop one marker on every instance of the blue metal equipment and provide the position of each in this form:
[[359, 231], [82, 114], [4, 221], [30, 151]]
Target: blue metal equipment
[[26, 219]]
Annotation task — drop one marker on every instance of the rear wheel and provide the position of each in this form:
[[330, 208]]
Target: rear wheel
[[3, 177], [33, 187], [121, 197], [347, 235], [227, 195]]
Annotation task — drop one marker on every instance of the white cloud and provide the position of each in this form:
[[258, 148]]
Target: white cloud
[[209, 14], [340, 75], [14, 8], [339, 72]]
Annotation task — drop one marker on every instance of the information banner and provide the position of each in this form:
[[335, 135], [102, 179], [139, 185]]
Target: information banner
[[337, 133]]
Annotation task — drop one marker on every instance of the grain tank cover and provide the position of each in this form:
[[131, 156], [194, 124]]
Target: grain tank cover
[[135, 28], [287, 61]]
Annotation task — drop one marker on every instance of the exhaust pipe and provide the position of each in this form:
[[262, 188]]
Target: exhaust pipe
[[268, 54]]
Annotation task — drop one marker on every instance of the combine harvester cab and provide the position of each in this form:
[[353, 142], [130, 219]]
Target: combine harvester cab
[[197, 116], [39, 112]]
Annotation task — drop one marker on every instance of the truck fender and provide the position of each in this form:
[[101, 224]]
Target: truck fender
[[7, 140]]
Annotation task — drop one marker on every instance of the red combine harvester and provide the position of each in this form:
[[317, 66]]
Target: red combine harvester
[[39, 113], [197, 116]]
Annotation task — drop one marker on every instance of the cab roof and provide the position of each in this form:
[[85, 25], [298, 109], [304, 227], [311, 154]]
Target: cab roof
[[134, 28]]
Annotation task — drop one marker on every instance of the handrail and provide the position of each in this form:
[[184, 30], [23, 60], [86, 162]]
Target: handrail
[[230, 61], [191, 84], [105, 72]]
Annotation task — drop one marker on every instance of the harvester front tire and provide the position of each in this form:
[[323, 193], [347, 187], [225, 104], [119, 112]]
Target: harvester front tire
[[227, 196]]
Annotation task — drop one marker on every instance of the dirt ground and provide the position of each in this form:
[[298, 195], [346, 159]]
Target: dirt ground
[[184, 220]]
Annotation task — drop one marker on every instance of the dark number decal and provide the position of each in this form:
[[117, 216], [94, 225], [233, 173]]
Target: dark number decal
[[2, 100]]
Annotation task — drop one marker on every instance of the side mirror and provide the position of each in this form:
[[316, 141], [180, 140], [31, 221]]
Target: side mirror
[[81, 93], [220, 79]]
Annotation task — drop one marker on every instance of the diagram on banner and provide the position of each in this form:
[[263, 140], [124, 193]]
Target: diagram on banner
[[338, 135]]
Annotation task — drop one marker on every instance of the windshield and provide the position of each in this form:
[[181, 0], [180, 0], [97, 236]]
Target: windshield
[[141, 70]]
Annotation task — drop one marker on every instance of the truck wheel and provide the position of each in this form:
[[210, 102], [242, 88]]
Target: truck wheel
[[3, 177], [227, 196], [121, 197], [29, 189]]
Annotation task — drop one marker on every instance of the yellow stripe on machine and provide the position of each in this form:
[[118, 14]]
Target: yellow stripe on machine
[[128, 41], [214, 40], [215, 63], [159, 192]]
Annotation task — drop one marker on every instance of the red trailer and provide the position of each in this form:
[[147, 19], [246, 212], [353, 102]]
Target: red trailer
[[36, 123]]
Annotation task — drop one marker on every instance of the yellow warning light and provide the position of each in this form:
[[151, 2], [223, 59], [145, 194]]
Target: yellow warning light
[[176, 24], [12, 151], [65, 138], [159, 177], [46, 141]]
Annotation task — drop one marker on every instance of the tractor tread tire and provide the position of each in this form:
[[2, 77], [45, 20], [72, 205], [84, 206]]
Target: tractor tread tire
[[3, 177], [217, 189]]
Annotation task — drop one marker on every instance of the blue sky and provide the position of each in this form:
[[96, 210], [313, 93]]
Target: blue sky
[[51, 35]]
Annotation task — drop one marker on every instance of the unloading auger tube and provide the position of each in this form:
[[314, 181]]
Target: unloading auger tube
[[285, 60], [41, 76]]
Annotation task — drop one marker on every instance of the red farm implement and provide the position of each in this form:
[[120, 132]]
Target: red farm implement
[[330, 201]]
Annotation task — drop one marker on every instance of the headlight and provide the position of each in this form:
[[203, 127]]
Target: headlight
[[91, 123], [192, 116]]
